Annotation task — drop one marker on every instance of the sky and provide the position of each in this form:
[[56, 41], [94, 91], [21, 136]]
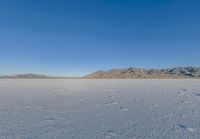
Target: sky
[[76, 37]]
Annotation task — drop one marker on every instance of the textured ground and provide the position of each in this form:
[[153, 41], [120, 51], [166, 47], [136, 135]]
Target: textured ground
[[99, 109]]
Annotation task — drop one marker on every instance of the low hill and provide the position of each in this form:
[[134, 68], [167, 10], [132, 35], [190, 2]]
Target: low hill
[[25, 76]]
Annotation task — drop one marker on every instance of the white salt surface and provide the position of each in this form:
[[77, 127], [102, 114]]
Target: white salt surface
[[99, 109]]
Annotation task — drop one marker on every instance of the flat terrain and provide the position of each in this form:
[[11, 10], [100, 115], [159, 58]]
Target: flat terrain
[[99, 109]]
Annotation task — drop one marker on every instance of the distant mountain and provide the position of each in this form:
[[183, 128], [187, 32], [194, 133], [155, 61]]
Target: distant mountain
[[127, 73], [134, 73], [25, 76], [34, 76]]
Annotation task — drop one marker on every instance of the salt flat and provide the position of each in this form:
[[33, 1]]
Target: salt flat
[[99, 109]]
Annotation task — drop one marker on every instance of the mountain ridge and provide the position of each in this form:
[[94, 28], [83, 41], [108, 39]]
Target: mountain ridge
[[137, 73], [123, 73]]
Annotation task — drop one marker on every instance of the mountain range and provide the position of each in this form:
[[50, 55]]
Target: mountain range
[[126, 73], [135, 73]]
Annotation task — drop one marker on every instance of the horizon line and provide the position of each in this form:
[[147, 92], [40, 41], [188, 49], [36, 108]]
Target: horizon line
[[80, 76]]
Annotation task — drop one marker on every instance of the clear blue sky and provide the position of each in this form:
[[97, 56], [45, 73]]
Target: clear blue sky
[[75, 37]]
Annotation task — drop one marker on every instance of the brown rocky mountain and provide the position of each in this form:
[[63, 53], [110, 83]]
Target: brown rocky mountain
[[131, 73]]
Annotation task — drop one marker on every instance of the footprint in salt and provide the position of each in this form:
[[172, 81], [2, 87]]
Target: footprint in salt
[[40, 107], [189, 129], [27, 106], [123, 108], [112, 97], [183, 115], [197, 94], [109, 134], [113, 102], [183, 89], [50, 120], [107, 103]]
